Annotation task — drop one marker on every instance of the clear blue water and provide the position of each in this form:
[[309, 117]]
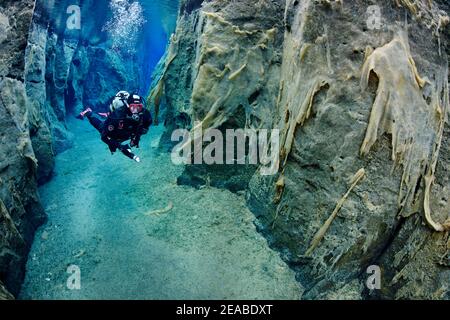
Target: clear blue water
[[161, 22], [151, 37]]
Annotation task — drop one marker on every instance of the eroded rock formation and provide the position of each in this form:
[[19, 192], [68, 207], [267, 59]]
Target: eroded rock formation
[[20, 211], [363, 113]]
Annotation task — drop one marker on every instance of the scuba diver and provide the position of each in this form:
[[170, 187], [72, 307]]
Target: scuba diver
[[127, 120]]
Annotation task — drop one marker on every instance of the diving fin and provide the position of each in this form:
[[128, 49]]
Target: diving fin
[[85, 113]]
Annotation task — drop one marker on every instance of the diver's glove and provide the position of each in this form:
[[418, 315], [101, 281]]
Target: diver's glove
[[126, 150], [135, 142], [112, 144], [112, 148]]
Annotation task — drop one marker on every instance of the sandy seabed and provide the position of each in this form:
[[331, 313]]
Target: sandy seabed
[[100, 219]]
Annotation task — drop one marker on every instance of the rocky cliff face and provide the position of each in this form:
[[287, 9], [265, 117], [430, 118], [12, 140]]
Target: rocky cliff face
[[20, 211], [361, 99]]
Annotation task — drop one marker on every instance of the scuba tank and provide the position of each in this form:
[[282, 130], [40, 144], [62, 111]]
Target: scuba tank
[[120, 101]]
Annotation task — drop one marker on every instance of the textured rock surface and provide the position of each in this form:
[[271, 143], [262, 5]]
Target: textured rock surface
[[235, 64], [36, 91], [4, 294], [15, 20], [20, 211], [329, 116], [222, 70]]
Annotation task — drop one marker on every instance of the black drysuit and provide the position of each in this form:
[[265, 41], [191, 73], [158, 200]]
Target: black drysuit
[[120, 126]]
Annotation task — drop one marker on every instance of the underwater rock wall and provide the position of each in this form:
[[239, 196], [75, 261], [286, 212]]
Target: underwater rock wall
[[363, 114], [222, 70], [353, 98], [20, 210]]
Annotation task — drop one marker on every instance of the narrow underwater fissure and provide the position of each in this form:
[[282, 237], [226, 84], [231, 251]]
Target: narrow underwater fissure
[[103, 219], [104, 211], [355, 152]]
